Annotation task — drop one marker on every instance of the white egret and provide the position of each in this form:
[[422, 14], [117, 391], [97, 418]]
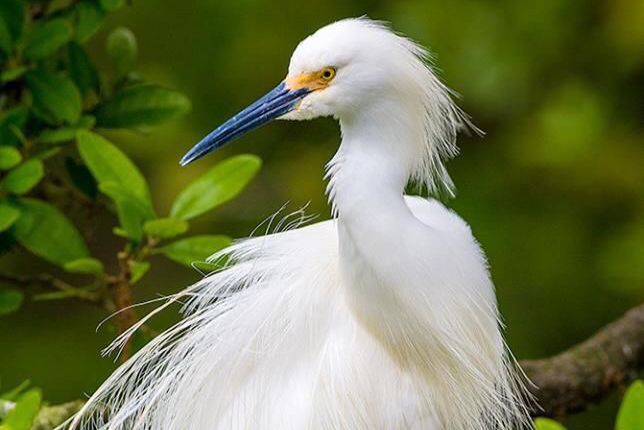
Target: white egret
[[382, 318]]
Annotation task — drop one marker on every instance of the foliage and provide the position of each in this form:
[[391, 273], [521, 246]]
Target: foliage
[[54, 100], [55, 166], [547, 424], [22, 410], [631, 413], [10, 301], [553, 192]]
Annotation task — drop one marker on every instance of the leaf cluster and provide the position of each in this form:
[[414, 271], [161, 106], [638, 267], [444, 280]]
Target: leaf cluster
[[54, 101]]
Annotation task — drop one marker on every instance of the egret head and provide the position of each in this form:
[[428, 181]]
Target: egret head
[[357, 67], [352, 65]]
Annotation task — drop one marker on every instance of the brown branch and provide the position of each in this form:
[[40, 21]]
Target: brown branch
[[126, 316], [569, 382], [121, 289]]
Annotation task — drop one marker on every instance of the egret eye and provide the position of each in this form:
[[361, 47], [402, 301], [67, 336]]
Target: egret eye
[[327, 73]]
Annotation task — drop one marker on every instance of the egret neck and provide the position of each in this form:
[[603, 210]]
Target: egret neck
[[376, 229], [368, 174]]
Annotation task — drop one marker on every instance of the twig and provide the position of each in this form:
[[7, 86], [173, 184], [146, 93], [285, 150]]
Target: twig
[[121, 287], [50, 281], [122, 296]]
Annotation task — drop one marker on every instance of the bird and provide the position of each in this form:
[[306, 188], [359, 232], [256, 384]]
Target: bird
[[382, 317]]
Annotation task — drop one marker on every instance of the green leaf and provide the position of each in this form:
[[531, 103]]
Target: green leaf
[[55, 98], [5, 38], [122, 49], [90, 266], [631, 412], [10, 75], [219, 185], [18, 135], [131, 211], [9, 157], [82, 70], [15, 116], [65, 134], [8, 216], [48, 38], [165, 228], [12, 394], [109, 164], [205, 267], [10, 301], [81, 177], [47, 153], [138, 271], [118, 231], [120, 180], [547, 424], [141, 105], [12, 12], [22, 416], [194, 249], [46, 232], [62, 295], [111, 5], [58, 6], [58, 135], [11, 124], [90, 17], [86, 121], [24, 177]]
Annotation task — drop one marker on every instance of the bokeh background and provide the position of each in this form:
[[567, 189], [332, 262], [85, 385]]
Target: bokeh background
[[554, 192]]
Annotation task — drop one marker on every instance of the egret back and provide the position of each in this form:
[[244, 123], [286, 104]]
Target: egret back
[[271, 342]]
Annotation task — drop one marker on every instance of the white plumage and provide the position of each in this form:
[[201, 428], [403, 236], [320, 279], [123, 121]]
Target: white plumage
[[382, 318]]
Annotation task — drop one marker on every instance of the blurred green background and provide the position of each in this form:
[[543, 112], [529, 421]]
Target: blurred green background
[[554, 192]]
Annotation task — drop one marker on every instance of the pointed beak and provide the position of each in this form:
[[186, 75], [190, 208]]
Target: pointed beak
[[274, 104]]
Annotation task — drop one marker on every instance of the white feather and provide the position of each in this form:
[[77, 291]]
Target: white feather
[[383, 318]]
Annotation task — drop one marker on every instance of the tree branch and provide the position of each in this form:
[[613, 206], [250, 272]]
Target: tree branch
[[569, 382], [121, 289], [565, 384], [121, 286]]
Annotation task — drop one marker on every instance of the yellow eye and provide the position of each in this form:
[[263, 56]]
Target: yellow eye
[[327, 73]]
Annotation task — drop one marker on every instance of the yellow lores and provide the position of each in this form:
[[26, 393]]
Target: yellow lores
[[312, 81]]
